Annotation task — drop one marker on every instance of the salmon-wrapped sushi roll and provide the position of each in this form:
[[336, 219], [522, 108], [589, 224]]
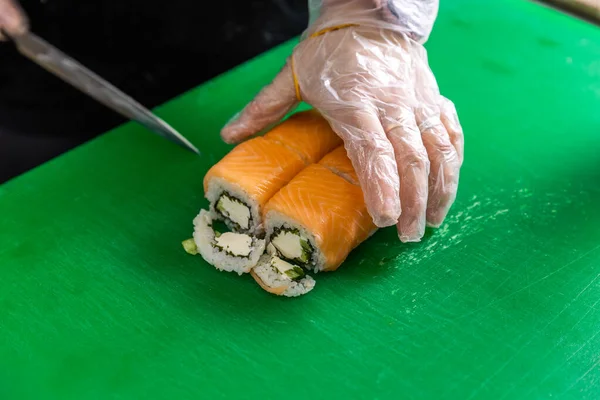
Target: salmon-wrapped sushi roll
[[317, 219], [239, 185]]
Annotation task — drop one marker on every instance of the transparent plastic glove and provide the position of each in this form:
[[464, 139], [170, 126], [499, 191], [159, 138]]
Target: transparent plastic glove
[[375, 88], [13, 20]]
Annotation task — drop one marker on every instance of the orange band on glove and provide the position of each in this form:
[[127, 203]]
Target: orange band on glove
[[296, 84], [314, 35], [331, 29]]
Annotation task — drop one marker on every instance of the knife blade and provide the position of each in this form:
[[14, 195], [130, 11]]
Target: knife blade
[[72, 72]]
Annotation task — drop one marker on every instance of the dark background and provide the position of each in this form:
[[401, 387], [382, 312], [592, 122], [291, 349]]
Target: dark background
[[152, 50]]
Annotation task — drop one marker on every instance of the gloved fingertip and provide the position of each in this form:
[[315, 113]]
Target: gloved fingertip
[[228, 139], [388, 214], [411, 227], [230, 134], [435, 219], [409, 238], [413, 233], [383, 221]]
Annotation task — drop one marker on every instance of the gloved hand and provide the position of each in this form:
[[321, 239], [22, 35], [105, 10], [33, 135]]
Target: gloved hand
[[13, 20], [375, 88]]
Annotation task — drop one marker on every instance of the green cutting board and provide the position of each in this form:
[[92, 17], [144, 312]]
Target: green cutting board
[[98, 300]]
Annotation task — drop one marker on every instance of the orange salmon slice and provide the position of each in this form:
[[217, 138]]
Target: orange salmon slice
[[259, 167], [306, 133]]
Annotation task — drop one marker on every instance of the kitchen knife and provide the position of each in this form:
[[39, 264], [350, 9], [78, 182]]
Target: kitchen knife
[[66, 68]]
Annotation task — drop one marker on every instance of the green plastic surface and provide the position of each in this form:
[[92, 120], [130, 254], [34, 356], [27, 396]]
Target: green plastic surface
[[99, 300]]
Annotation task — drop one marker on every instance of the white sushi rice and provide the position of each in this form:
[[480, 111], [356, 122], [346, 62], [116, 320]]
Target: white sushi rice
[[205, 239], [274, 282], [219, 186], [276, 220]]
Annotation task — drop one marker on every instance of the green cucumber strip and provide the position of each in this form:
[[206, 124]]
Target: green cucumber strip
[[190, 246], [295, 273]]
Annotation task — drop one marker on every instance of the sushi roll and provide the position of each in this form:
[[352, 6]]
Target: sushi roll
[[281, 278], [317, 219], [229, 251], [239, 185]]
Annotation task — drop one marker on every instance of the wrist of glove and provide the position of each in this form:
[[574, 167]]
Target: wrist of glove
[[375, 88], [414, 18], [13, 21]]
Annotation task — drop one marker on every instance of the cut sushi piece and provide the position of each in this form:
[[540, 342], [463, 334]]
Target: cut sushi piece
[[306, 133], [317, 219], [281, 278], [239, 185], [338, 162], [228, 251]]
